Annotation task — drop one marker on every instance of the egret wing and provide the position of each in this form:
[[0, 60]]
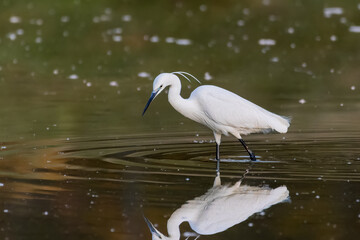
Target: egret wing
[[228, 109]]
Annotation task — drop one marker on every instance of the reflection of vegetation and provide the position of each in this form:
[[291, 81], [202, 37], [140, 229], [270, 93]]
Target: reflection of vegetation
[[77, 37]]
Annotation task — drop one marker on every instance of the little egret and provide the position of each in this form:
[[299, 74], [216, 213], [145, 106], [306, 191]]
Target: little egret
[[222, 111], [220, 208]]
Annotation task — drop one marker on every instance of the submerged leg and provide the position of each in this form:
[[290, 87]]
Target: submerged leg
[[251, 154], [218, 141], [217, 159]]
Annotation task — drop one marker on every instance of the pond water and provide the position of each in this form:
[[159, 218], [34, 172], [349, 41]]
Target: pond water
[[77, 159]]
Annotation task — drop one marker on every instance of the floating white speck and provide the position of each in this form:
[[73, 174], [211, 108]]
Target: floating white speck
[[45, 213], [117, 38], [183, 41], [114, 84], [317, 196], [207, 76], [3, 147], [353, 88], [354, 29], [39, 22], [333, 38], [65, 19], [144, 74], [6, 210], [267, 42], [1, 184], [341, 104], [73, 76], [11, 36], [15, 19], [126, 18], [291, 30], [250, 224], [88, 84], [266, 2], [104, 18], [187, 179], [170, 40], [20, 32], [240, 23], [112, 230], [274, 59], [328, 12], [154, 39], [117, 30], [38, 40], [96, 19], [302, 101], [203, 8], [55, 71]]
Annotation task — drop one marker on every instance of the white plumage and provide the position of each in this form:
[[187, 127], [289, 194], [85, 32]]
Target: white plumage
[[220, 208], [222, 111]]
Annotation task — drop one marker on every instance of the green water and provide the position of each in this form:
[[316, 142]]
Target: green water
[[77, 159]]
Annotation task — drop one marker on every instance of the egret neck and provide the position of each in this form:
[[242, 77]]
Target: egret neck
[[180, 104]]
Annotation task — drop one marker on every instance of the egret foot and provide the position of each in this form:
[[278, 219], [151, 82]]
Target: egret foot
[[252, 157]]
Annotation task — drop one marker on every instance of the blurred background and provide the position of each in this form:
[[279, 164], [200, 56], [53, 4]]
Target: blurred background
[[75, 76]]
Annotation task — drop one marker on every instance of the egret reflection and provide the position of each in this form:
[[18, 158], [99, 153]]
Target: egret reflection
[[220, 208]]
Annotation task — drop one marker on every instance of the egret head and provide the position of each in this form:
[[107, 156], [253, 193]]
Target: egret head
[[163, 80], [160, 83], [156, 235]]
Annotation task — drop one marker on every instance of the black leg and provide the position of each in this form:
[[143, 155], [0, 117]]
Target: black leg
[[251, 154], [217, 158]]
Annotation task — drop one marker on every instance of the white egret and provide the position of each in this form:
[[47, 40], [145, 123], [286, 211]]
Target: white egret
[[220, 208], [222, 111]]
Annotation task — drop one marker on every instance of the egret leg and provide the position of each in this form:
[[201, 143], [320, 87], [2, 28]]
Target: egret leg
[[251, 154], [217, 159]]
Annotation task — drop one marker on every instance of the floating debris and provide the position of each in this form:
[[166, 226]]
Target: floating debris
[[114, 84], [207, 76], [267, 42], [154, 39], [291, 30], [11, 36], [126, 18], [73, 76], [274, 59], [183, 41], [328, 12], [203, 8], [354, 29], [144, 75], [240, 23], [353, 88], [14, 19], [170, 40], [302, 101], [117, 38], [65, 19], [333, 38]]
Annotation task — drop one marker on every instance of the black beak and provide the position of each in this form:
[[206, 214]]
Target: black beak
[[153, 95]]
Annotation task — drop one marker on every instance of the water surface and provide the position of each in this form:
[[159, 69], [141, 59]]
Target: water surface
[[78, 161]]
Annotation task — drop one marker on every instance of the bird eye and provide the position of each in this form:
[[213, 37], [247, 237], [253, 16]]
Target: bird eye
[[161, 85]]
